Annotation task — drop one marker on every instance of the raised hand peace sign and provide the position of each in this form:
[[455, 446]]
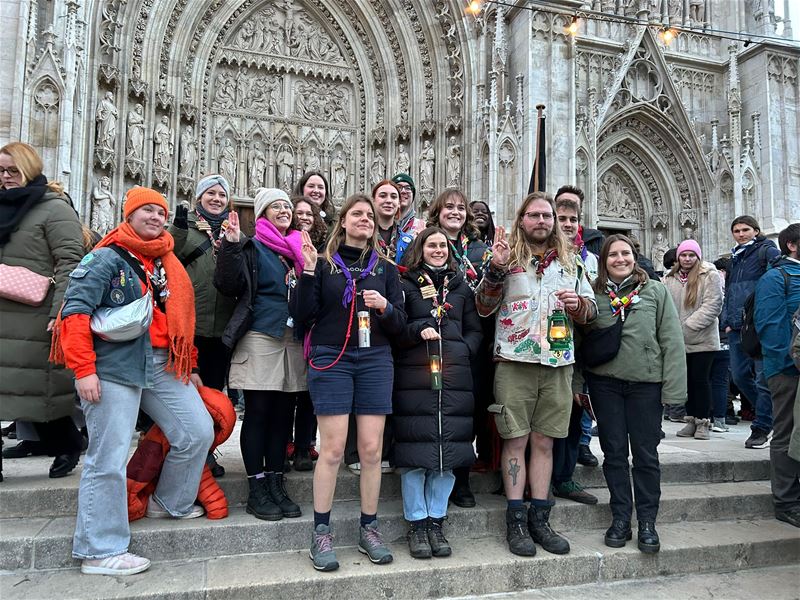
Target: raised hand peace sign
[[233, 233], [308, 251], [501, 251]]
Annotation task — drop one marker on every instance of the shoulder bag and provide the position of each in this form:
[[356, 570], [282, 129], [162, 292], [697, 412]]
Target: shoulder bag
[[22, 285]]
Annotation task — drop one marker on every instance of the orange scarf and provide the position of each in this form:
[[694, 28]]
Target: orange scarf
[[179, 304]]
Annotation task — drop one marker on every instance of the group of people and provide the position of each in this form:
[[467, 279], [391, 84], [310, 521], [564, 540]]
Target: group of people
[[332, 320]]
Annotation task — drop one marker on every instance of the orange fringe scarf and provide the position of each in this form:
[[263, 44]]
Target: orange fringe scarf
[[179, 304]]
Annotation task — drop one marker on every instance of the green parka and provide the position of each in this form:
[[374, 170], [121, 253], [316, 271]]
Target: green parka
[[212, 309], [48, 241]]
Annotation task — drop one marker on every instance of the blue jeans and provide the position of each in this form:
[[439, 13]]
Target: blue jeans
[[425, 493], [586, 428], [756, 390], [720, 382], [102, 528]]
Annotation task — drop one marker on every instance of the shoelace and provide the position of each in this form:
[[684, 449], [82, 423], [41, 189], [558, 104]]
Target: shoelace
[[419, 533], [324, 541], [373, 537], [438, 533]]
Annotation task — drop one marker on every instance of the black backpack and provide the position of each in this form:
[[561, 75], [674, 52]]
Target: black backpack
[[748, 336]]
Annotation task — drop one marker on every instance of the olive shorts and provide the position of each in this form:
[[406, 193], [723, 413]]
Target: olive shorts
[[532, 397]]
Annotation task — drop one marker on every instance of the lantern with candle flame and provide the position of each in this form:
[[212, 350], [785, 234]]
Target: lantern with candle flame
[[363, 329], [436, 372], [558, 334]]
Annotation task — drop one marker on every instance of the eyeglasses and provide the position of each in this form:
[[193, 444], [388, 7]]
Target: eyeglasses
[[535, 216], [279, 206], [13, 171]]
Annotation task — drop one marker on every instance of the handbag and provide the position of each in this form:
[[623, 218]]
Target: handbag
[[599, 346], [22, 285], [123, 323]]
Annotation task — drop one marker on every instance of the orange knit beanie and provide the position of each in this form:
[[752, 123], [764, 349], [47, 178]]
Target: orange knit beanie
[[139, 196]]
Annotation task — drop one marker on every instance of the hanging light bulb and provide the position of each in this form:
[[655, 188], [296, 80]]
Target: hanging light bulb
[[474, 7], [572, 28]]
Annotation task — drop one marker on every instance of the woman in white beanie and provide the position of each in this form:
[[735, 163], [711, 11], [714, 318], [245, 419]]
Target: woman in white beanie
[[267, 361]]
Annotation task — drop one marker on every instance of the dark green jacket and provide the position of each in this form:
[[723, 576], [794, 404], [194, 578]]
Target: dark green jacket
[[652, 348], [212, 309], [49, 242]]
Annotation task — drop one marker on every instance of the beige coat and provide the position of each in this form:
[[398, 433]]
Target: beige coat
[[700, 324]]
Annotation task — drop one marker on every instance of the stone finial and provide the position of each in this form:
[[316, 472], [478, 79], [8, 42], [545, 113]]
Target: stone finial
[[714, 134], [733, 74], [756, 116]]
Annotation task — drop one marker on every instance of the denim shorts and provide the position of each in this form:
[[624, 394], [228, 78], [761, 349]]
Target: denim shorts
[[360, 383]]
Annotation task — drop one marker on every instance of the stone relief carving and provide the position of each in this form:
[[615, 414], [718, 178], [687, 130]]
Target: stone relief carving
[[660, 247], [256, 167], [188, 153], [427, 158], [109, 24], [615, 199], [322, 102], [106, 119], [285, 164], [226, 160], [254, 93], [403, 162], [377, 168], [453, 164], [47, 97], [338, 176], [103, 204]]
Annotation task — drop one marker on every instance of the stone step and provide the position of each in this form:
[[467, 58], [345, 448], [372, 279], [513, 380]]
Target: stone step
[[46, 543], [478, 566]]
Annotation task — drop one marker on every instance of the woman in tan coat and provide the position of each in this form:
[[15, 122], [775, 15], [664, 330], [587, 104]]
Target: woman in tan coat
[[697, 292]]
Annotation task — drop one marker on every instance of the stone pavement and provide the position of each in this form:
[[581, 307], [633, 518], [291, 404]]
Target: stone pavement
[[716, 514]]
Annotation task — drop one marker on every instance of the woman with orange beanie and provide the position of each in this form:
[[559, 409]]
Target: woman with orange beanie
[[113, 378]]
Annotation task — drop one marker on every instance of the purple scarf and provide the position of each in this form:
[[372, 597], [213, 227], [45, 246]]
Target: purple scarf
[[350, 286], [288, 245]]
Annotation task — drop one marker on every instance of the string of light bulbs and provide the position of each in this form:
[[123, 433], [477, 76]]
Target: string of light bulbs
[[666, 33]]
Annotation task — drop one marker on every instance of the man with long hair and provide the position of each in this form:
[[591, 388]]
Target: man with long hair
[[538, 288]]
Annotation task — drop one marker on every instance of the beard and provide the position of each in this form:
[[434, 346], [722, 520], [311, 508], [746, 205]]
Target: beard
[[536, 238]]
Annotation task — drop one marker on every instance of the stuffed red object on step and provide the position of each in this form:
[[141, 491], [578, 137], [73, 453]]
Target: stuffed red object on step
[[144, 467]]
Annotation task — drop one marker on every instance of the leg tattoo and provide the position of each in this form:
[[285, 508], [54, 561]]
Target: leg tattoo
[[513, 470]]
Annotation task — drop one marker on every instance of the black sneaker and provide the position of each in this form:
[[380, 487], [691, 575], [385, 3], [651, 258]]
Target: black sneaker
[[758, 439], [259, 502], [542, 533], [585, 456], [517, 534], [439, 545], [789, 515], [618, 534], [418, 545], [648, 537]]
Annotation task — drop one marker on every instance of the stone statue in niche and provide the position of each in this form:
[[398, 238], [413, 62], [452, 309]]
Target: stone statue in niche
[[687, 233], [614, 198], [256, 165], [697, 11], [103, 204], [660, 247], [403, 162], [163, 144], [134, 145], [188, 153], [106, 119], [241, 86], [453, 164], [427, 158], [313, 162], [285, 163], [338, 175], [377, 168], [227, 161]]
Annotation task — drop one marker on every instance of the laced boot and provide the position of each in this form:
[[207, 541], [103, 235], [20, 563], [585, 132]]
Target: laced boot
[[277, 492], [517, 534], [542, 533], [418, 545], [688, 429], [259, 502], [648, 537], [439, 544]]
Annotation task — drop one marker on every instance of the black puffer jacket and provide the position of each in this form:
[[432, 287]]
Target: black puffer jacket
[[433, 429]]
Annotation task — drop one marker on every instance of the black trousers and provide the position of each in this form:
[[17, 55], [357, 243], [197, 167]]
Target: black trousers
[[265, 430], [305, 423], [698, 383], [629, 413], [213, 361], [565, 450], [59, 436], [784, 470]]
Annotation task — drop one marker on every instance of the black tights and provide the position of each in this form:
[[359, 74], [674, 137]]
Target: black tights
[[265, 430], [698, 375]]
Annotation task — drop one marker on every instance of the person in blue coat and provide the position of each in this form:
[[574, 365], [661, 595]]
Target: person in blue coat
[[777, 299], [749, 260]]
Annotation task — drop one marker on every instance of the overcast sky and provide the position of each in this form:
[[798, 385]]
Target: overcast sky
[[794, 14]]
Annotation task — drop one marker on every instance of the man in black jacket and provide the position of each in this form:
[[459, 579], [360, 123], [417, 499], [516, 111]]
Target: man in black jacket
[[592, 238]]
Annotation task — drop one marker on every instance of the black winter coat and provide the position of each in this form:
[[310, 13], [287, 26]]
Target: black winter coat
[[433, 429]]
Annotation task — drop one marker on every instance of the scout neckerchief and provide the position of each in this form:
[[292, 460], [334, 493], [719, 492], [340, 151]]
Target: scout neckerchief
[[464, 264], [391, 247], [544, 262], [620, 303], [429, 291], [683, 277], [350, 286], [216, 240]]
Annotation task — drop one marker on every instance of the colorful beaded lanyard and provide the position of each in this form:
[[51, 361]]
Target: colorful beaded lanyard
[[465, 265], [203, 225], [618, 305], [439, 310]]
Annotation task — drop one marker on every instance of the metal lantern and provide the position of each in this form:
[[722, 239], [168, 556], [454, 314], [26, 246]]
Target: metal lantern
[[363, 329], [558, 335], [436, 372]]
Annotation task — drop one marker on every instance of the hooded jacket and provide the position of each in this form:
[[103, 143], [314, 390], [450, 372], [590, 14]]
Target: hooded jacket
[[776, 302], [746, 268], [700, 323]]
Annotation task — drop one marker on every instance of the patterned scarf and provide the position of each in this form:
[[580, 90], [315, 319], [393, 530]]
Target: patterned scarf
[[544, 262]]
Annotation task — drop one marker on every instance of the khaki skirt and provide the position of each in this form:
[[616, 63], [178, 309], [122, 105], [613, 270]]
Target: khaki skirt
[[261, 362]]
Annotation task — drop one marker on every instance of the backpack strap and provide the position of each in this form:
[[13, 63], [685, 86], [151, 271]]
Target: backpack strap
[[196, 253], [132, 263]]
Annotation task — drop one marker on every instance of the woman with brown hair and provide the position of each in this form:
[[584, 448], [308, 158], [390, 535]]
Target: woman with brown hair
[[314, 186], [696, 290], [40, 232]]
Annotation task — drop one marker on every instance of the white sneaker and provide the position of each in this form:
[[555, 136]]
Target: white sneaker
[[121, 564], [354, 468], [386, 467], [154, 511], [719, 426]]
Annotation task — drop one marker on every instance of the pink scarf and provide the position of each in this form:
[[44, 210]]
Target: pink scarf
[[288, 245]]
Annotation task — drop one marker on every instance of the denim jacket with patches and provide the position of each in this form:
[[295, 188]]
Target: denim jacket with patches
[[103, 279], [523, 301]]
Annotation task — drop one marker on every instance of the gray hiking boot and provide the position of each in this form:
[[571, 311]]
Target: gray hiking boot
[[321, 553], [418, 545], [371, 544], [517, 534]]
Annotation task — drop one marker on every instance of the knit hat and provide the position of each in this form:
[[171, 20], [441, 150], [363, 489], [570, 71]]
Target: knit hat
[[405, 178], [136, 197], [266, 196], [210, 181], [689, 246]]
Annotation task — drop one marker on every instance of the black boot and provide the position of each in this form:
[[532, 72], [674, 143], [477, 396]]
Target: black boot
[[277, 492], [439, 544], [260, 504], [648, 537], [618, 533], [461, 495], [302, 460], [63, 464], [542, 533], [517, 534], [418, 545]]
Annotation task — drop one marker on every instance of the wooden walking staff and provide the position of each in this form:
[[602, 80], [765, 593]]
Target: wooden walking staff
[[539, 172]]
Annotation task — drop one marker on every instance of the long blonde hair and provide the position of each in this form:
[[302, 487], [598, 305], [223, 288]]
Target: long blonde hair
[[692, 287], [29, 163], [337, 236], [521, 251]]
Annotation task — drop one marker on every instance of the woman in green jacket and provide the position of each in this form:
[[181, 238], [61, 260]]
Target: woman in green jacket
[[628, 390]]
